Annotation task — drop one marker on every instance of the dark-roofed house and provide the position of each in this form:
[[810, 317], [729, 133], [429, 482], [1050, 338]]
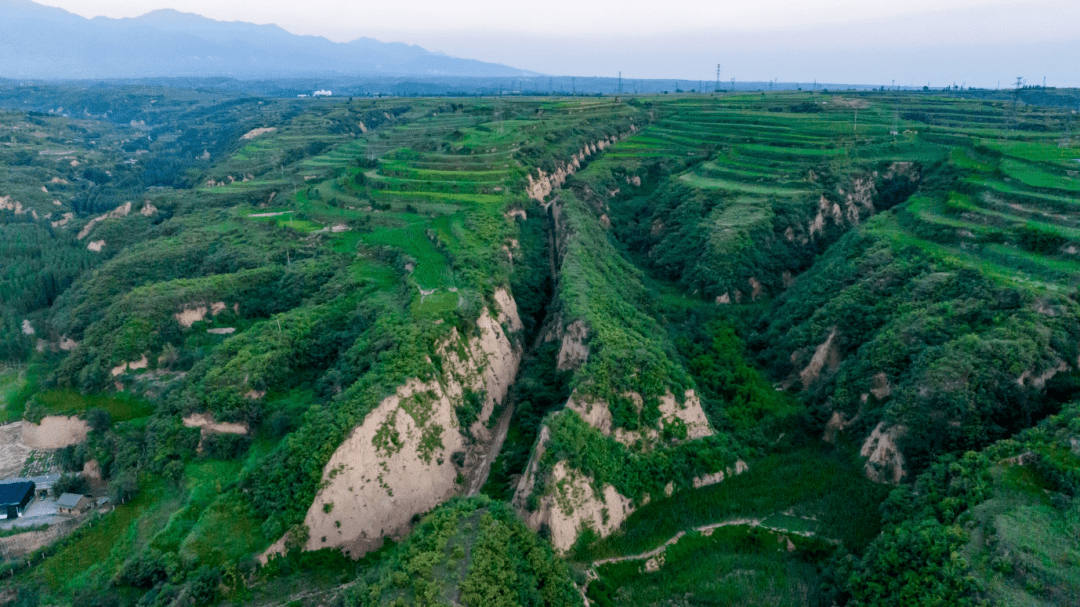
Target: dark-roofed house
[[73, 503], [14, 497]]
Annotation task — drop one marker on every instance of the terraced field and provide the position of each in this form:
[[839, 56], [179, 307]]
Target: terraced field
[[396, 221], [926, 208], [785, 304], [1008, 188], [415, 183]]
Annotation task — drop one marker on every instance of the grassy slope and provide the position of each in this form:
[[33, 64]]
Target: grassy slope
[[744, 166], [401, 235], [428, 191]]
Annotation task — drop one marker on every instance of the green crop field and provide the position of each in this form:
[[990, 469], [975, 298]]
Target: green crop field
[[69, 402]]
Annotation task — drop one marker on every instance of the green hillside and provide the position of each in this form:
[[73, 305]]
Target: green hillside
[[782, 348]]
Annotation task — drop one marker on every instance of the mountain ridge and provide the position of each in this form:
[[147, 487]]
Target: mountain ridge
[[46, 42]]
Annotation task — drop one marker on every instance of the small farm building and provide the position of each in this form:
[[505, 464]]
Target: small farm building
[[73, 503], [14, 497]]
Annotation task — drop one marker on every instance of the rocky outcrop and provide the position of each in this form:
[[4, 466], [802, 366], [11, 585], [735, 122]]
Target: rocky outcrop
[[410, 453], [63, 221], [7, 204], [856, 205], [837, 424], [879, 386], [571, 504], [570, 500], [573, 352], [538, 188], [121, 211], [717, 477], [193, 313], [858, 199], [756, 290], [206, 425], [826, 355], [886, 462], [1038, 380], [134, 365], [253, 133], [689, 414], [508, 310]]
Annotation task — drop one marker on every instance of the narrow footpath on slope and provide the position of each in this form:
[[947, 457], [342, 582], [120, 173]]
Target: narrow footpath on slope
[[705, 530]]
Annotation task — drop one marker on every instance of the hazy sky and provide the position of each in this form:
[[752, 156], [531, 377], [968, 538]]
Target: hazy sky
[[870, 41]]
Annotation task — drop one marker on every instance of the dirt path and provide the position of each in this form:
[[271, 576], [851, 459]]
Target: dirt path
[[644, 555], [307, 594], [496, 446], [704, 529]]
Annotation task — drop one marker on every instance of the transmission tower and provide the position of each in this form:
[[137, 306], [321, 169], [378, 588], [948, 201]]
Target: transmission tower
[[1010, 117], [620, 83], [717, 77]]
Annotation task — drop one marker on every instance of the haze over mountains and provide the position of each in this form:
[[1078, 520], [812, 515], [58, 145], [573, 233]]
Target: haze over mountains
[[43, 42]]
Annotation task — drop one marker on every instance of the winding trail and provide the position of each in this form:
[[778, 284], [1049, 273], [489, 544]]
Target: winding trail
[[704, 529]]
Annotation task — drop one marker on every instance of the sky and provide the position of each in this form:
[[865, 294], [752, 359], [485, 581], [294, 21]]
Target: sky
[[910, 42]]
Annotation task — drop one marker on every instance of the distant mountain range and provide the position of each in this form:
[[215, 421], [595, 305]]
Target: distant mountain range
[[44, 42]]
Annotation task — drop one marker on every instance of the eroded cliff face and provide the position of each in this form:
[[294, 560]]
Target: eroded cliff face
[[573, 351], [688, 414], [411, 454], [857, 203], [539, 187], [554, 494], [826, 357], [569, 500], [886, 462]]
